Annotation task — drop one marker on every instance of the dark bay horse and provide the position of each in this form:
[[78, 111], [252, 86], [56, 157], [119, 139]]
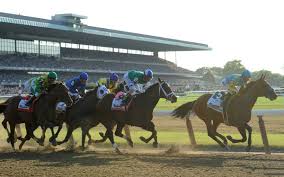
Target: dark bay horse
[[239, 111], [83, 114], [44, 114], [140, 112]]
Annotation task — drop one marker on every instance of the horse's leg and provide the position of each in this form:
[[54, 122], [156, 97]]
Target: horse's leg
[[18, 130], [242, 131], [4, 123], [90, 138], [215, 126], [109, 134], [27, 137], [249, 129], [85, 131], [150, 127], [68, 135], [212, 134], [58, 130], [118, 132], [71, 138], [52, 138], [40, 141], [12, 133], [104, 137]]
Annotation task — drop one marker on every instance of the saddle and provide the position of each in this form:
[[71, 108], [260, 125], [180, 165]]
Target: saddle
[[119, 103], [22, 104]]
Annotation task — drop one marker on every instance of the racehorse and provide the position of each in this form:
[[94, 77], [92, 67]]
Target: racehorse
[[83, 114], [239, 111], [139, 113], [43, 114]]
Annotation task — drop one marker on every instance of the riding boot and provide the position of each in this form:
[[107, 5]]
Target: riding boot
[[226, 102], [30, 101], [126, 99]]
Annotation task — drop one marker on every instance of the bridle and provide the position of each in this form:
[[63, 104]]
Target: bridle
[[167, 95]]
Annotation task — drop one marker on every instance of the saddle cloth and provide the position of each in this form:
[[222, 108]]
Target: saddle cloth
[[118, 103], [215, 102], [22, 105]]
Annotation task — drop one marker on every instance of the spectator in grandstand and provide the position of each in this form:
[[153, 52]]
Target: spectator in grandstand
[[77, 85], [133, 79], [39, 85], [110, 83]]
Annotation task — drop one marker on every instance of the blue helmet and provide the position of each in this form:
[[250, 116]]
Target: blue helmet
[[148, 73], [84, 76], [246, 73], [113, 77]]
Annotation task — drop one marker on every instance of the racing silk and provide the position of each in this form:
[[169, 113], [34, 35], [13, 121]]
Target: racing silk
[[232, 82], [106, 82], [133, 80], [75, 86], [39, 84], [136, 77]]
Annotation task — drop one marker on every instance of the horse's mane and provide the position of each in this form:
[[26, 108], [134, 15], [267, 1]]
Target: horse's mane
[[55, 84], [248, 86]]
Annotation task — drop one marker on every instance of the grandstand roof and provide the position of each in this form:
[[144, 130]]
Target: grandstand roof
[[31, 28]]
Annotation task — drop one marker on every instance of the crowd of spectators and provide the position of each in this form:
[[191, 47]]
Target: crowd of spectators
[[50, 62], [103, 61]]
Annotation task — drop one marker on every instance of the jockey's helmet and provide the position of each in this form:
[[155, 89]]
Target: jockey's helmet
[[113, 77], [52, 75], [84, 76], [148, 73], [246, 74]]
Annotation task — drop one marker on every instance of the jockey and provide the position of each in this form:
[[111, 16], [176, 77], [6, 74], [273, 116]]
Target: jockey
[[77, 85], [110, 83], [133, 78], [39, 85], [234, 82]]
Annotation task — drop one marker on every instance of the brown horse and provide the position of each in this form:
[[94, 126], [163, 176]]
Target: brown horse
[[239, 111], [44, 112]]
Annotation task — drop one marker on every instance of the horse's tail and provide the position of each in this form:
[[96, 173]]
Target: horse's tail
[[3, 106], [183, 110]]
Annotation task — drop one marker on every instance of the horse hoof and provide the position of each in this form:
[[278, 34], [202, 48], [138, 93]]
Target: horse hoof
[[143, 139], [90, 142], [41, 143], [53, 142], [227, 148], [8, 140], [118, 151], [130, 143], [155, 145]]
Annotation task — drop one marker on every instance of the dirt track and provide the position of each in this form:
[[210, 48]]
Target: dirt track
[[48, 163]]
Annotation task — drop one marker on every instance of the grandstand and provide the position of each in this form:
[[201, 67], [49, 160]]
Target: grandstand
[[29, 46]]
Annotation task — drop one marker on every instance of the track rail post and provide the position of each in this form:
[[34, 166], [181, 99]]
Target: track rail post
[[263, 134]]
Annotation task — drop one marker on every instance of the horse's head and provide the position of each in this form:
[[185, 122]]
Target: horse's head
[[263, 89], [166, 92], [60, 92]]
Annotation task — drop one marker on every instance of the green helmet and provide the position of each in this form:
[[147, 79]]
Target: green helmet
[[52, 75]]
